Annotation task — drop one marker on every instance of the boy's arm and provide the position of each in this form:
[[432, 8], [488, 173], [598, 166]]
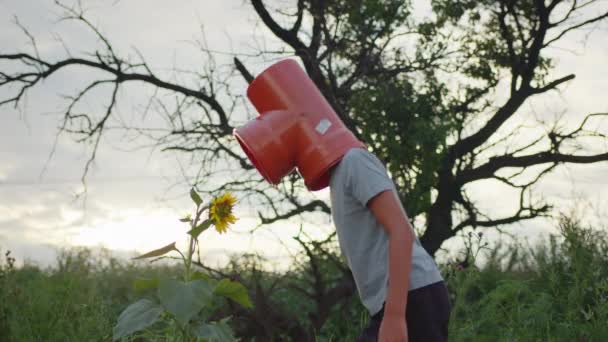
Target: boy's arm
[[387, 209]]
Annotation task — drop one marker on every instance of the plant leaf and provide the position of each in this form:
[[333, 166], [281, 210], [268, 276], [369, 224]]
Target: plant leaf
[[145, 284], [158, 252], [195, 197], [185, 218], [215, 332], [184, 300], [200, 275], [136, 317], [234, 291], [196, 231]]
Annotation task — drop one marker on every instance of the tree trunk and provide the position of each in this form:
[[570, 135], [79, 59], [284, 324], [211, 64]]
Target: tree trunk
[[439, 227], [439, 216]]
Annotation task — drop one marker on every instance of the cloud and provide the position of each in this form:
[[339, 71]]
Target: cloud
[[132, 202]]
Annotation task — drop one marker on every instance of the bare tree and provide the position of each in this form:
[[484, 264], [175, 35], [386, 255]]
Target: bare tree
[[387, 75]]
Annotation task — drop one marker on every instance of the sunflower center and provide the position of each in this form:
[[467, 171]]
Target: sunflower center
[[223, 210]]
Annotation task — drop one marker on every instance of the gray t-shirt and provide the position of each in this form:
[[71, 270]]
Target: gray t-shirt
[[354, 181]]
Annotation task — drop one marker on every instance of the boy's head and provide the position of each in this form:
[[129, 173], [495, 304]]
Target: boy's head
[[296, 128]]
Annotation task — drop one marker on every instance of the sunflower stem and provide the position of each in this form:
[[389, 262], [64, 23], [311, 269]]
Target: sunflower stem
[[189, 260], [191, 241]]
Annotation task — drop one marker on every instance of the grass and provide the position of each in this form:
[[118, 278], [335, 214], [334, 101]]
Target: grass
[[555, 292], [78, 301]]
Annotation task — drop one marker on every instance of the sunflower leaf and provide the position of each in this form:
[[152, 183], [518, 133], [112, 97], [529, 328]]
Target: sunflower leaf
[[196, 231], [136, 317], [184, 299], [203, 276], [195, 197], [158, 252], [233, 290], [145, 284], [215, 331]]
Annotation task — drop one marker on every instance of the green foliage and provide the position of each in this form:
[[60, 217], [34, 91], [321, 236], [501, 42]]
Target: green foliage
[[495, 36], [390, 91], [184, 299], [145, 284], [196, 231], [357, 25], [234, 291], [214, 332], [184, 303], [158, 252], [136, 317], [554, 292], [196, 198], [79, 300], [406, 127]]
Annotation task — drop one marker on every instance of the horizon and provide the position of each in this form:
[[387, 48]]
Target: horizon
[[135, 195]]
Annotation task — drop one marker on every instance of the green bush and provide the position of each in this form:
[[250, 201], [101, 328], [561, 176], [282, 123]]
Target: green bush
[[77, 301], [554, 292]]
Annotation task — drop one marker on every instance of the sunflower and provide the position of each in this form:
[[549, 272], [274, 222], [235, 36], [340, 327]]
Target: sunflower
[[221, 212]]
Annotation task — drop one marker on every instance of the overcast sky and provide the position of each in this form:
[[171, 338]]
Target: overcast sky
[[135, 197]]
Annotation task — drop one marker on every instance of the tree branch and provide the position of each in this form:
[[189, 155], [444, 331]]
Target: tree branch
[[287, 36], [553, 84], [243, 70], [497, 163], [577, 26], [311, 206]]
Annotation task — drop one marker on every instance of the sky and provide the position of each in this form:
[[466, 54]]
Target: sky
[[135, 195]]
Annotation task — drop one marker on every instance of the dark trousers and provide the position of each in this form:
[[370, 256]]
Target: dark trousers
[[427, 316]]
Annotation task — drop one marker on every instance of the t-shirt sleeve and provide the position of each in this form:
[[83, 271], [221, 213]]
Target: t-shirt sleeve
[[367, 177]]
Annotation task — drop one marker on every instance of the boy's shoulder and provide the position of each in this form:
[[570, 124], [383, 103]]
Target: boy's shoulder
[[358, 157], [356, 153], [361, 163], [351, 160]]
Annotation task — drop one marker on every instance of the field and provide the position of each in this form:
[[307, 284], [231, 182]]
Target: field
[[554, 292]]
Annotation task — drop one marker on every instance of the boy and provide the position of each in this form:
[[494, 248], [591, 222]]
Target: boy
[[398, 282], [381, 248]]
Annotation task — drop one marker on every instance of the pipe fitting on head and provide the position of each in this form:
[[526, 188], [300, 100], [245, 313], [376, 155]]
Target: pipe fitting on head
[[296, 128]]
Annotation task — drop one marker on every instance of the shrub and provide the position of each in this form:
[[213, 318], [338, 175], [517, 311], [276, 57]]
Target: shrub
[[553, 292]]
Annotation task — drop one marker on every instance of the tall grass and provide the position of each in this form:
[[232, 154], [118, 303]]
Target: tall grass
[[554, 292], [77, 301]]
